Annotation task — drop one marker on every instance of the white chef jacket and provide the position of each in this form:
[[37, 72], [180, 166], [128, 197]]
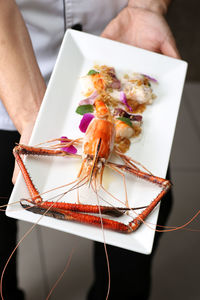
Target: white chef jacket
[[47, 21]]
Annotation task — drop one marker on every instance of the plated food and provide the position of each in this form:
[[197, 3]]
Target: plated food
[[80, 52], [109, 125], [126, 99]]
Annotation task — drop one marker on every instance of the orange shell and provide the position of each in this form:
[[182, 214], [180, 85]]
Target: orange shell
[[99, 129], [99, 83], [101, 108]]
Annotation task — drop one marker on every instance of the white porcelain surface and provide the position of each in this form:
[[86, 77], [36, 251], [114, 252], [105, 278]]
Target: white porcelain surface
[[57, 117]]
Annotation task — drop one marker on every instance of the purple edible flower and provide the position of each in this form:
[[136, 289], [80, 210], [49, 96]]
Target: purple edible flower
[[150, 78], [90, 100], [116, 83], [85, 121], [124, 100], [71, 149]]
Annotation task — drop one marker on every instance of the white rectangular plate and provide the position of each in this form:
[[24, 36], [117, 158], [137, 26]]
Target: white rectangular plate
[[57, 117]]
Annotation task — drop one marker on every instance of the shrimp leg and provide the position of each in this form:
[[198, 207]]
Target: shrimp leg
[[163, 183], [28, 150], [69, 209], [78, 212]]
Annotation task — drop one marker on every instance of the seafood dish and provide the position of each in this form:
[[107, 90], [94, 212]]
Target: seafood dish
[[109, 126]]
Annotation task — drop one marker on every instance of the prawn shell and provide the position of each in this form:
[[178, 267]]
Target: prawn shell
[[99, 129], [101, 109]]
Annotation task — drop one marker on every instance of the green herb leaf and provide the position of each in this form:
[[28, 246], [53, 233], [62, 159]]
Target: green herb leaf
[[92, 72], [125, 120], [83, 109]]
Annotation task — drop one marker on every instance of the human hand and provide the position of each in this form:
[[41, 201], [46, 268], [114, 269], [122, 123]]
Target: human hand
[[144, 29], [25, 137]]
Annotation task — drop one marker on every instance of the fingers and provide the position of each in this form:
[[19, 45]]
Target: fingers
[[104, 34], [144, 29], [25, 137], [112, 31], [15, 173], [169, 48]]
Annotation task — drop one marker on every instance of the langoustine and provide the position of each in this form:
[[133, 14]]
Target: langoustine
[[113, 123]]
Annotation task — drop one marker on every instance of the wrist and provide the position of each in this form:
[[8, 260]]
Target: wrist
[[24, 118], [157, 6], [27, 120]]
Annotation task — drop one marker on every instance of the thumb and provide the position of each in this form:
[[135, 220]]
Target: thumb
[[169, 48]]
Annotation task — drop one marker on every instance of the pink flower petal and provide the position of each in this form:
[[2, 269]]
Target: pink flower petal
[[90, 100], [124, 100], [150, 78], [64, 139], [85, 121], [71, 149], [116, 83]]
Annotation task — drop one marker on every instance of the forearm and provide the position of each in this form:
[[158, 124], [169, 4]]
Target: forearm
[[21, 84], [159, 6]]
